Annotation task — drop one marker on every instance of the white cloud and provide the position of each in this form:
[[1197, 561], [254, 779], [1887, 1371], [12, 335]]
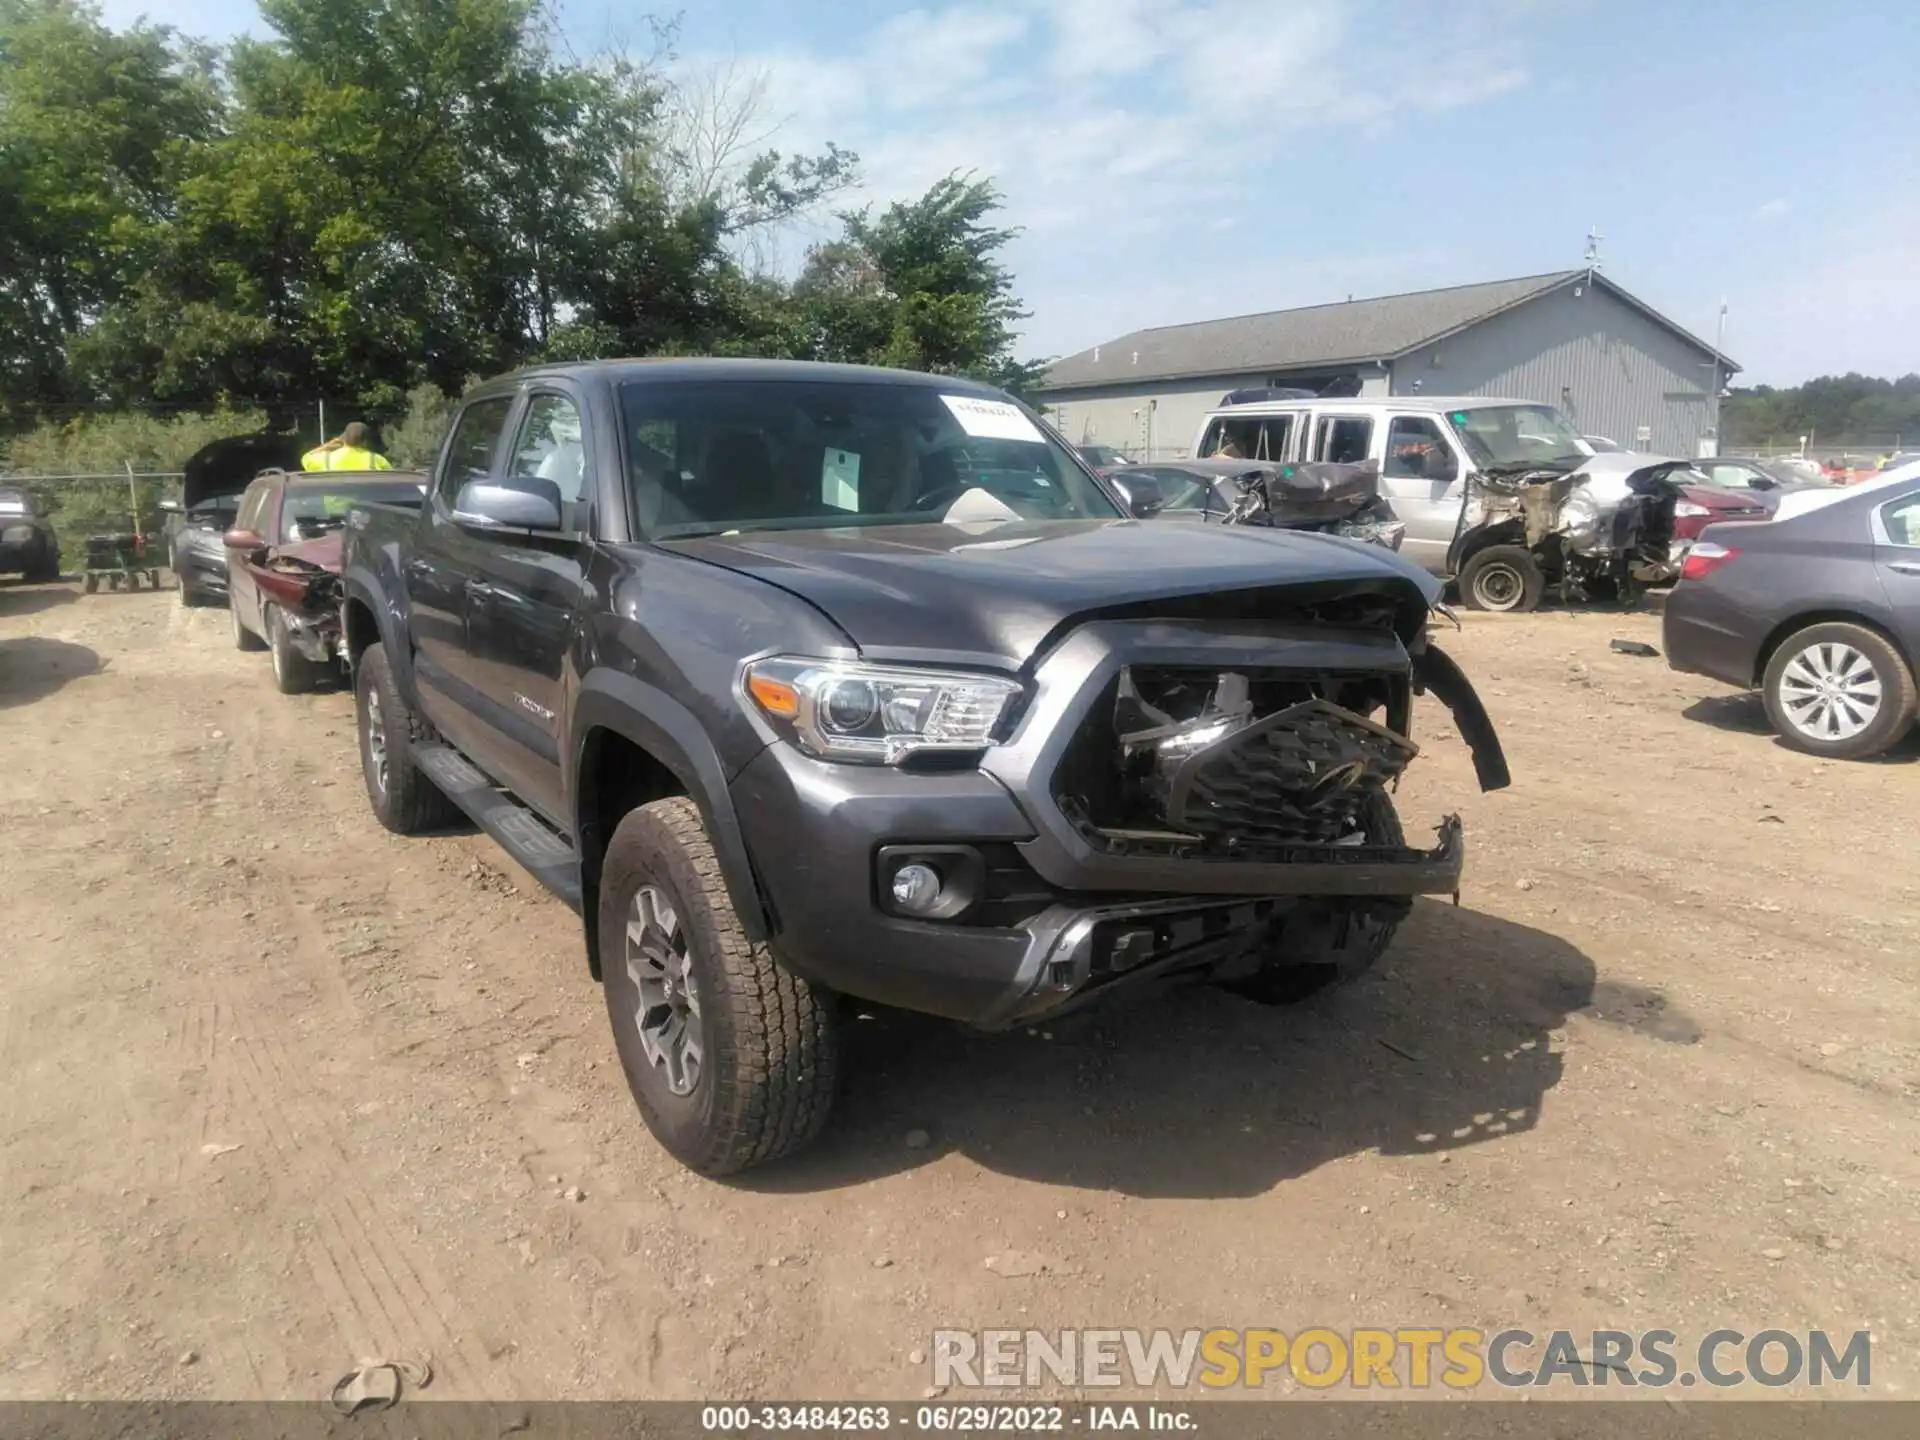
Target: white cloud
[[1105, 122], [1772, 209]]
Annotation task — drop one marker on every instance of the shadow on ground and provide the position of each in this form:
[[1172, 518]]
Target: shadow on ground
[[1746, 714], [21, 599], [1194, 1092], [33, 667]]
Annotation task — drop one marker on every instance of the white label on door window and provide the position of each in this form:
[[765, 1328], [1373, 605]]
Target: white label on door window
[[991, 419], [840, 480]]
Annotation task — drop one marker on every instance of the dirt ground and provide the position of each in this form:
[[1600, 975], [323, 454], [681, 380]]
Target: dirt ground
[[280, 1091]]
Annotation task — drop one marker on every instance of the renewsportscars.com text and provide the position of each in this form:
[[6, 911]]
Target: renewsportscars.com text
[[1402, 1358]]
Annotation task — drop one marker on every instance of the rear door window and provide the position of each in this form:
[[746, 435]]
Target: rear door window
[[1250, 437], [1900, 519], [1343, 439]]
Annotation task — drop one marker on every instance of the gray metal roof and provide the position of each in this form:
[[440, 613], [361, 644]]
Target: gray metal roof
[[1351, 332]]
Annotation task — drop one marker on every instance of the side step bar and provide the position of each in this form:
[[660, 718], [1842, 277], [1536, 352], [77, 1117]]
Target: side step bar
[[534, 844]]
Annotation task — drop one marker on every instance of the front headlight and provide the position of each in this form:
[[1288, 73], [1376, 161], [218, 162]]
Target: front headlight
[[1687, 510], [876, 714]]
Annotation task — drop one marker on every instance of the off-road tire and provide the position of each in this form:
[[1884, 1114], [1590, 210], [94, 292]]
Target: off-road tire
[[408, 803], [1503, 578], [45, 568], [1283, 980], [90, 584], [770, 1041], [189, 597], [293, 673], [243, 638], [1897, 695]]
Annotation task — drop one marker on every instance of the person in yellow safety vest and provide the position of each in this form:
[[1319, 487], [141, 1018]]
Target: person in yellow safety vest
[[348, 451]]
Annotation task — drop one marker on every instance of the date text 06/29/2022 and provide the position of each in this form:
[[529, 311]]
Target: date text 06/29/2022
[[962, 1417]]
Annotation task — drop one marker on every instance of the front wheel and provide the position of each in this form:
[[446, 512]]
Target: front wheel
[[1324, 944], [243, 638], [1502, 578], [293, 673], [730, 1058], [1839, 690]]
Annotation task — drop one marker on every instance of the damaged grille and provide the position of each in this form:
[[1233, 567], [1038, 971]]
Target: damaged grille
[[1301, 777], [1236, 765]]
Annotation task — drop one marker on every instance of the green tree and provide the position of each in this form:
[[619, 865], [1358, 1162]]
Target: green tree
[[935, 263], [92, 125]]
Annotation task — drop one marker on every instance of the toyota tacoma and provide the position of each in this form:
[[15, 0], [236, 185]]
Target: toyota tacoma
[[803, 682]]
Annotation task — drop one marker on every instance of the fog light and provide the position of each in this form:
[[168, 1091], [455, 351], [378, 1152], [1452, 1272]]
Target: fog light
[[916, 888]]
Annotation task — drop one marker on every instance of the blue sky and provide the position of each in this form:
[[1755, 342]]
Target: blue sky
[[1173, 161]]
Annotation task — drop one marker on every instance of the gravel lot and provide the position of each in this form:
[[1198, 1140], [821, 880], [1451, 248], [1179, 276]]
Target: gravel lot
[[280, 1092]]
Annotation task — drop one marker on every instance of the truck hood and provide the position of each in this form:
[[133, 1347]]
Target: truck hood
[[996, 595]]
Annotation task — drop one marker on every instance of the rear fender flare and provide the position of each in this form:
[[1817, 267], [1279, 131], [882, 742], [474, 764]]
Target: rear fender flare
[[360, 584], [654, 721]]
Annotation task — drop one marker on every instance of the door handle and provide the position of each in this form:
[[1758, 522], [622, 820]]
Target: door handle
[[1905, 567], [481, 589]]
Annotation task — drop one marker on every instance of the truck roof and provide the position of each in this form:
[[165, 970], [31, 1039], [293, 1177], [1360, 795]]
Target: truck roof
[[717, 369]]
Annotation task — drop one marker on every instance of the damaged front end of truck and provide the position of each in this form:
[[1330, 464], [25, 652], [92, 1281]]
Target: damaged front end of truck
[[1603, 530], [1237, 776]]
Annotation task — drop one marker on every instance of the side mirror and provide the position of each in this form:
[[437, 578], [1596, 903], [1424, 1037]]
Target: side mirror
[[244, 542], [173, 507], [1762, 482], [517, 504], [1140, 507]]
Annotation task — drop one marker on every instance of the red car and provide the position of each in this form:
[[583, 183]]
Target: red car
[[283, 563], [1705, 505]]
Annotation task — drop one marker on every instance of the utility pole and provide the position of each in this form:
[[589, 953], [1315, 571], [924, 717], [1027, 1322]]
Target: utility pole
[[1719, 345]]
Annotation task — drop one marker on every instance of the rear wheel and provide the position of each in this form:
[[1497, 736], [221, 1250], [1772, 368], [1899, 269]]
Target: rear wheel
[[730, 1058], [1839, 690], [45, 567], [243, 638], [403, 799], [293, 673], [1325, 944], [1503, 578]]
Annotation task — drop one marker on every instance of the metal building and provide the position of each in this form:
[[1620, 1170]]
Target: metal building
[[1612, 364]]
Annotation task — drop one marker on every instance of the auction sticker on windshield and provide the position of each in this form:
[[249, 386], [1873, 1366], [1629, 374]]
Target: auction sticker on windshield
[[991, 419]]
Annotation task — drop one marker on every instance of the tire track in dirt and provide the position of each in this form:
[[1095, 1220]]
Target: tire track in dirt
[[379, 1288]]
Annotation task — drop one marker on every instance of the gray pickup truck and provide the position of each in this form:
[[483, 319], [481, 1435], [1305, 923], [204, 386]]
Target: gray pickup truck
[[806, 682]]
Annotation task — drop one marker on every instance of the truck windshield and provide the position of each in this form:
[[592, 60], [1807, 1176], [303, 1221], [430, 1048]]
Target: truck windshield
[[709, 457], [1504, 436]]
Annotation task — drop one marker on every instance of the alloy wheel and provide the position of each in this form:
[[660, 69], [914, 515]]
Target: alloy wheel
[[1830, 691], [667, 999], [376, 739]]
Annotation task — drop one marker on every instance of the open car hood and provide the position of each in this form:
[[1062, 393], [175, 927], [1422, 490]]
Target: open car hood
[[996, 594], [226, 467]]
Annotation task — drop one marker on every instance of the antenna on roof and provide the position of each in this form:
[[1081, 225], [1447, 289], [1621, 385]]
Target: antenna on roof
[[1591, 258]]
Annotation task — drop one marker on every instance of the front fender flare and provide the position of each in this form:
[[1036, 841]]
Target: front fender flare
[[648, 717], [1435, 673]]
